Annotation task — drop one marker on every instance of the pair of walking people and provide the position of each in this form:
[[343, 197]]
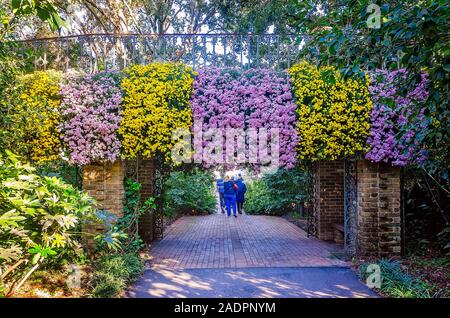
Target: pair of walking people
[[232, 194]]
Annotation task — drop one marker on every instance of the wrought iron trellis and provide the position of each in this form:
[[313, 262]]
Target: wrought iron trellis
[[311, 209], [158, 215], [94, 52], [350, 207]]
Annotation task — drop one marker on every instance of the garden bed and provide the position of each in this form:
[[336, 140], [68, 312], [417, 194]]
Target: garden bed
[[53, 284], [411, 277], [107, 277]]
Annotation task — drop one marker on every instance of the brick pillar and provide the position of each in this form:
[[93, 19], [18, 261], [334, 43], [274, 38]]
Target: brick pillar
[[146, 179], [379, 221], [329, 178], [104, 182]]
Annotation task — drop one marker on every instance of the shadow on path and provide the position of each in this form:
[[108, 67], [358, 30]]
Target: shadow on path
[[305, 282]]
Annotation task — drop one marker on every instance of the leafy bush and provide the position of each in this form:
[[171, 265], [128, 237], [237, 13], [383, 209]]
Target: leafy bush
[[189, 192], [107, 285], [277, 193], [39, 220], [444, 240], [114, 272], [397, 283], [256, 199]]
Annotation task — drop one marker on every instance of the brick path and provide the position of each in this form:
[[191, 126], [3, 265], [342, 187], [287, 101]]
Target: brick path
[[216, 241]]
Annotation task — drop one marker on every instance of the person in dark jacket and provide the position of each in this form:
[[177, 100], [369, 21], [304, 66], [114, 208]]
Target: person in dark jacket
[[220, 189], [240, 196], [230, 190]]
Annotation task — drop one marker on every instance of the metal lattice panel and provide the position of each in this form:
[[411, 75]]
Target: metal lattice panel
[[131, 169], [91, 53], [158, 214], [350, 207], [312, 207]]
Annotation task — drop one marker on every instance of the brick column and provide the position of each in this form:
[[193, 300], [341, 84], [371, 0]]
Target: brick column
[[329, 178], [379, 223], [104, 182], [146, 179]]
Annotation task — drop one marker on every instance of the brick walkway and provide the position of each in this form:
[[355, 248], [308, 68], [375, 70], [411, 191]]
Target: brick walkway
[[216, 241]]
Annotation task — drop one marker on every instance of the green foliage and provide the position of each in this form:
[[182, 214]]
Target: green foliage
[[10, 67], [287, 188], [397, 283], [412, 35], [277, 193], [114, 272], [257, 200], [70, 174], [254, 16], [189, 192], [43, 9], [40, 219], [123, 234], [426, 214]]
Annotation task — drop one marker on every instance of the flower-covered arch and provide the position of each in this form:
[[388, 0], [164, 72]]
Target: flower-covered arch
[[253, 99], [320, 114]]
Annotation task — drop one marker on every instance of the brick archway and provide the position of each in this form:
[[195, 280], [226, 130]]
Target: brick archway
[[378, 201]]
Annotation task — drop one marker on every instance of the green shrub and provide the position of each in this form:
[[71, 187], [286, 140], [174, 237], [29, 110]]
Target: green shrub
[[114, 265], [397, 283], [256, 198], [40, 220], [189, 192], [277, 193], [107, 285], [135, 266], [124, 235], [114, 272]]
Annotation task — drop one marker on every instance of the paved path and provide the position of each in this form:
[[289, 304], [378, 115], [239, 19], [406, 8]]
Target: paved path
[[250, 256], [218, 241]]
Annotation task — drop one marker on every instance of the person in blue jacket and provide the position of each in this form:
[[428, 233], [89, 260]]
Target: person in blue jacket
[[230, 190], [240, 196], [220, 189]]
